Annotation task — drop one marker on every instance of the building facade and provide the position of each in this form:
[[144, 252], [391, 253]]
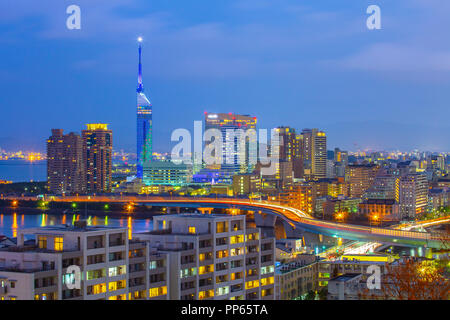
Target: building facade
[[411, 193], [314, 154], [237, 157], [214, 257], [65, 167], [97, 157]]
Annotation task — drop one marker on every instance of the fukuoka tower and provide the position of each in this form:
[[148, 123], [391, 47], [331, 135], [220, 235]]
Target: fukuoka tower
[[144, 122]]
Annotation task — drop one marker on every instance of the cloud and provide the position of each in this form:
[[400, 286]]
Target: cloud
[[395, 57]]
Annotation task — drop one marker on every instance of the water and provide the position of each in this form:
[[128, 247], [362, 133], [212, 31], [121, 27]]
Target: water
[[23, 171], [10, 223]]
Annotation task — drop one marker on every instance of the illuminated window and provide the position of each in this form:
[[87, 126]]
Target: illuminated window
[[205, 269], [59, 243], [266, 281], [155, 292], [42, 242], [237, 239], [252, 284], [222, 290], [205, 294], [117, 285], [191, 229]]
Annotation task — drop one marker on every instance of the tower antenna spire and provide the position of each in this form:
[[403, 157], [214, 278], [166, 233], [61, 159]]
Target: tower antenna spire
[[140, 87]]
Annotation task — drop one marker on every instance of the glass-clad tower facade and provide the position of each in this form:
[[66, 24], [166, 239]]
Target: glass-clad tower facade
[[144, 123]]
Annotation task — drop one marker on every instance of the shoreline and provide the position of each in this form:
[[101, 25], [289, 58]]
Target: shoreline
[[98, 213]]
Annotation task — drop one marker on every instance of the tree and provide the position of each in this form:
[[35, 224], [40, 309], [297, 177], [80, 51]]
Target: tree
[[415, 280]]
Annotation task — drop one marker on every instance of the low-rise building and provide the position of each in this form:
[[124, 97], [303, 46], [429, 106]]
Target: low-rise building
[[296, 277]]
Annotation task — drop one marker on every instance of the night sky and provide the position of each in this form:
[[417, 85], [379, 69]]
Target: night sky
[[288, 62]]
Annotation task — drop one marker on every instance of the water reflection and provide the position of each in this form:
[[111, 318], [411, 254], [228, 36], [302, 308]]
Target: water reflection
[[130, 228], [43, 220], [14, 225], [10, 223]]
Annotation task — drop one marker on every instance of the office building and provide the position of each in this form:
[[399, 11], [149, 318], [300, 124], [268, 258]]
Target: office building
[[236, 156], [97, 157], [167, 173]]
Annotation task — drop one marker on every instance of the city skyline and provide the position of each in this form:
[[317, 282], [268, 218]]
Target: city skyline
[[201, 62]]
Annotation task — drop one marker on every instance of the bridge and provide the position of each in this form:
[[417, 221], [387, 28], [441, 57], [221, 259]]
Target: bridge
[[294, 221]]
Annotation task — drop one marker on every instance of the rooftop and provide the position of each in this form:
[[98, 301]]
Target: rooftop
[[346, 277]]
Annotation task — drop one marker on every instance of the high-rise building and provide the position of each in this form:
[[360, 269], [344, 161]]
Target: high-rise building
[[411, 193], [65, 166], [314, 154], [234, 128], [144, 123], [97, 157], [291, 149]]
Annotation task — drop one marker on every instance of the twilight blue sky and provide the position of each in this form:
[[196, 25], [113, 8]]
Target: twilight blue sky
[[299, 63]]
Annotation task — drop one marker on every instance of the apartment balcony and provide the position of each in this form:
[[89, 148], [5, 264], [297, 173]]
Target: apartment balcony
[[187, 291], [268, 297], [137, 287], [137, 274], [48, 289], [157, 270], [133, 260], [157, 284], [116, 243]]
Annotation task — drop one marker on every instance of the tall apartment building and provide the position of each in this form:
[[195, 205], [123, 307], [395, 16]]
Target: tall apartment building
[[233, 128], [97, 156], [214, 257], [314, 154], [291, 149], [411, 193], [360, 177], [65, 166]]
